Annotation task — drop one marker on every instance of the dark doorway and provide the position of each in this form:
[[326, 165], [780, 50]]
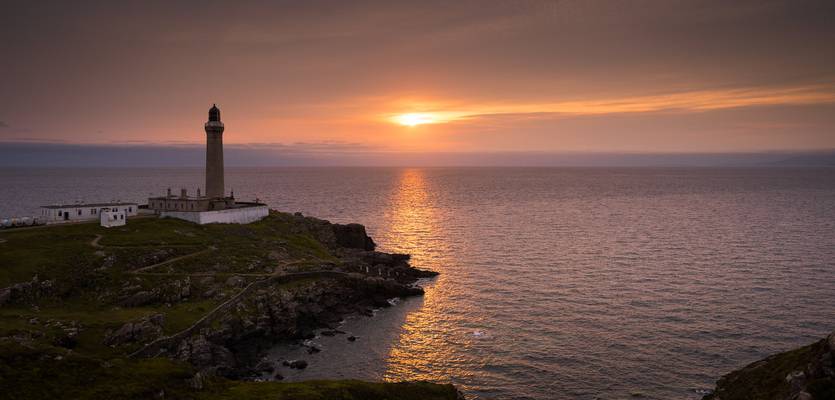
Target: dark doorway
[[66, 216]]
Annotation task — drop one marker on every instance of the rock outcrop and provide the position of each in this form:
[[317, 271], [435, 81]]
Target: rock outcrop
[[257, 313], [807, 373], [144, 330]]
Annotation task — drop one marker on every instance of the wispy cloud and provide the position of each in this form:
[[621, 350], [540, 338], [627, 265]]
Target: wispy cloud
[[694, 101]]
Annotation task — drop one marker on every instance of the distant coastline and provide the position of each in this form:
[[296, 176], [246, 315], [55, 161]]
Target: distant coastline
[[46, 154]]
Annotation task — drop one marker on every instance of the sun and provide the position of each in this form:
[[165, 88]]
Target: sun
[[414, 119]]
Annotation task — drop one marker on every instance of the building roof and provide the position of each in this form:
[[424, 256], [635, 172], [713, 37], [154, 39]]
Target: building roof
[[85, 205]]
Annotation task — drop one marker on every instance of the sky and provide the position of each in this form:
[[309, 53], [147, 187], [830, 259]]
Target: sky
[[379, 82]]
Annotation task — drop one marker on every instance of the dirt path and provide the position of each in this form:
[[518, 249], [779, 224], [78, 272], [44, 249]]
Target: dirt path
[[169, 261], [95, 242]]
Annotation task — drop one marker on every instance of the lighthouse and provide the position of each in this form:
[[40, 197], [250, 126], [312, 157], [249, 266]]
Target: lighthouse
[[213, 206], [214, 154]]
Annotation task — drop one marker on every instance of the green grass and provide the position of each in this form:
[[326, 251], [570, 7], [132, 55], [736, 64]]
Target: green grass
[[45, 251], [88, 281], [335, 390], [38, 373]]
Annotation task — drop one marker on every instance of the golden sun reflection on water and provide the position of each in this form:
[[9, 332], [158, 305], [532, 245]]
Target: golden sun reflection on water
[[414, 223]]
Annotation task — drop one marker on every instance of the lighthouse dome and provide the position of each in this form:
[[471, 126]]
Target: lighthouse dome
[[214, 113]]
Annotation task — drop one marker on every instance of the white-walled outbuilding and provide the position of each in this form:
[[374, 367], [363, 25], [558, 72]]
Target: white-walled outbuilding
[[84, 212], [109, 218]]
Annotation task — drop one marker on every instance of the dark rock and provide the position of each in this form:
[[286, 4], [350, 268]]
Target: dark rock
[[804, 373], [278, 376], [144, 330], [352, 338], [235, 281], [265, 367], [298, 364], [353, 236], [5, 295], [196, 382], [66, 341], [203, 353], [313, 350]]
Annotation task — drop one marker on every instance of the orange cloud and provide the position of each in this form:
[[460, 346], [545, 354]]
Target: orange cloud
[[695, 101]]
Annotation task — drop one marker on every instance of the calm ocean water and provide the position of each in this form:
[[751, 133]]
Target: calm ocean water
[[555, 283]]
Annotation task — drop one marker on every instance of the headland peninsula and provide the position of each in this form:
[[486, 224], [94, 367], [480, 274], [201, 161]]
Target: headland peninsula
[[165, 308]]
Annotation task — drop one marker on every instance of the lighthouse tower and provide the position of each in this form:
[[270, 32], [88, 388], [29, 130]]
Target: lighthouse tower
[[214, 154], [214, 206]]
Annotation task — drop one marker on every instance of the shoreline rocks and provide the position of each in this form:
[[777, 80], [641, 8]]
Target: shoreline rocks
[[232, 343], [805, 373]]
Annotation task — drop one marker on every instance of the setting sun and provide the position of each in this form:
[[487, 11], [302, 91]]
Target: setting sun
[[414, 119]]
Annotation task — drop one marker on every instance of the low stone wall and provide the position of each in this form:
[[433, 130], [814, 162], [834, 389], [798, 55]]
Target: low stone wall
[[243, 215]]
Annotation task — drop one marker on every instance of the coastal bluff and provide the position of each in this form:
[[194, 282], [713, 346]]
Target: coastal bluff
[[805, 373], [164, 308]]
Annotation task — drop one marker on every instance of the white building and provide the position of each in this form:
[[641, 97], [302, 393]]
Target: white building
[[110, 218], [242, 213], [84, 212]]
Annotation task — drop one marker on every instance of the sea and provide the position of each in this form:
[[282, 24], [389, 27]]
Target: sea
[[555, 283]]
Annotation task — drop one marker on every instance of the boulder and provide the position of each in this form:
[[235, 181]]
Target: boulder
[[144, 330]]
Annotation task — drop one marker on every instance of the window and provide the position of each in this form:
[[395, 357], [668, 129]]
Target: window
[[130, 209], [79, 211], [93, 211]]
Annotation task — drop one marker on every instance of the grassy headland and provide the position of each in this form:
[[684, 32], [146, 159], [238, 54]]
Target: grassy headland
[[167, 308]]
